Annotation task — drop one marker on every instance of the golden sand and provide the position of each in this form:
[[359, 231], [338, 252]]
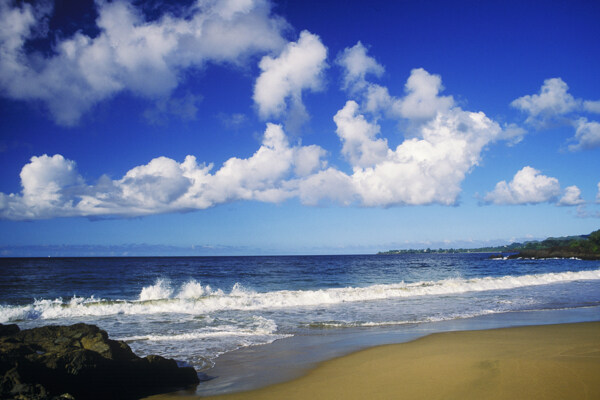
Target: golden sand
[[538, 362]]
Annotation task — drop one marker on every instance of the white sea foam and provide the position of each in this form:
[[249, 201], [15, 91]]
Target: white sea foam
[[160, 290], [196, 299], [193, 290], [369, 324], [260, 327], [201, 345]]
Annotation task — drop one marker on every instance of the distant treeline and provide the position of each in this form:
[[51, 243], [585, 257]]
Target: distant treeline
[[582, 243]]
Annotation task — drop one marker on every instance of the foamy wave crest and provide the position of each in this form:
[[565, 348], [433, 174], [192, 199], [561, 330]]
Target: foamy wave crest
[[193, 298], [160, 290]]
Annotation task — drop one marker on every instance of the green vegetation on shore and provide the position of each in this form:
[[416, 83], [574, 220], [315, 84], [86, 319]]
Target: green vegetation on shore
[[571, 246]]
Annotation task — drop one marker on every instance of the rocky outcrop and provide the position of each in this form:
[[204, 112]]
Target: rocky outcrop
[[81, 362], [556, 252]]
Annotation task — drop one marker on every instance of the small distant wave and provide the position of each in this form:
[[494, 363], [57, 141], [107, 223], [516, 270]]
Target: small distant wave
[[197, 299], [370, 324]]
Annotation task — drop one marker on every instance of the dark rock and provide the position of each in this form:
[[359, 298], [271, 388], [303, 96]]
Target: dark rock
[[6, 330], [80, 361], [556, 252]]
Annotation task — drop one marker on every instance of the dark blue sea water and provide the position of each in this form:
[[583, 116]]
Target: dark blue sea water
[[196, 309]]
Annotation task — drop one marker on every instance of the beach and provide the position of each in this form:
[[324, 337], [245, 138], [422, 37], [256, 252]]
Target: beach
[[533, 362]]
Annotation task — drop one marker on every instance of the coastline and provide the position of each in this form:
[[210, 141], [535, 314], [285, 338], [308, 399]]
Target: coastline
[[544, 361]]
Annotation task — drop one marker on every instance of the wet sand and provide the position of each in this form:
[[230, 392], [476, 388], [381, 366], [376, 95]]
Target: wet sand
[[538, 362]]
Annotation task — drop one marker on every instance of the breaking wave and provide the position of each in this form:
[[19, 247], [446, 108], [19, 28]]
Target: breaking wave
[[194, 298]]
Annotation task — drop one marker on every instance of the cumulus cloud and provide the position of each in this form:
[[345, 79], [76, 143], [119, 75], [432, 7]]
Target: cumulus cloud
[[46, 183], [587, 135], [571, 197], [357, 64], [421, 103], [426, 168], [422, 99], [360, 145], [592, 106], [444, 144], [554, 103], [145, 58], [423, 170], [513, 134], [528, 186], [553, 100], [330, 184], [431, 167], [52, 187], [299, 66]]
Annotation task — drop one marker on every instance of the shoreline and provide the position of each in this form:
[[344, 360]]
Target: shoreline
[[255, 367], [542, 361]]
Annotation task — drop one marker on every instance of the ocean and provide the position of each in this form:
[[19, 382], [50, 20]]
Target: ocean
[[206, 311]]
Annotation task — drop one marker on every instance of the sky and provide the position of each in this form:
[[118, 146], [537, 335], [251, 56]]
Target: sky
[[241, 127]]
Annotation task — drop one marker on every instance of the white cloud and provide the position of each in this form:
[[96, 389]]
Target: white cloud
[[587, 135], [52, 186], [377, 100], [592, 106], [572, 197], [429, 168], [130, 53], [330, 184], [421, 104], [422, 170], [528, 186], [308, 159], [299, 66], [357, 64], [553, 100], [513, 134], [360, 146], [422, 100], [46, 183]]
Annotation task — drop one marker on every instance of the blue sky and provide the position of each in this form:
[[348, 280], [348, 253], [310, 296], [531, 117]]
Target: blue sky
[[257, 127]]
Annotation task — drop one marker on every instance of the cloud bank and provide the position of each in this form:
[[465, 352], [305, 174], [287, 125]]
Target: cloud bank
[[52, 186], [442, 142], [130, 54], [428, 167]]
